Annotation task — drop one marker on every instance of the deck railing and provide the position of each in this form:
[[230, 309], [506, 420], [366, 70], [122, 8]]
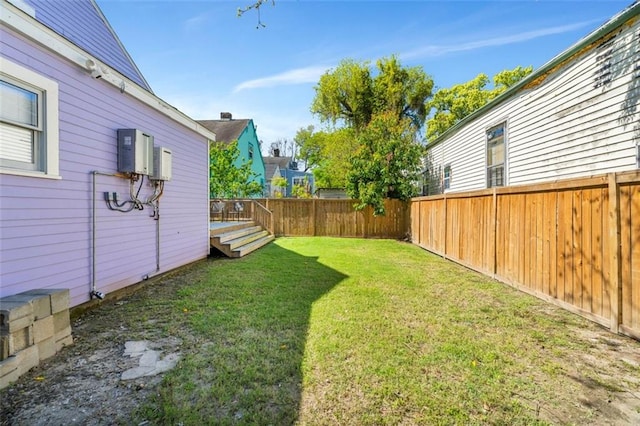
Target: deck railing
[[241, 209], [262, 216]]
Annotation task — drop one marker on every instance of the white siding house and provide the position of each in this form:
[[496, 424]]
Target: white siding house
[[575, 116]]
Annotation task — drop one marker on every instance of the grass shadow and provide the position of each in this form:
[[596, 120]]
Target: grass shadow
[[250, 318]]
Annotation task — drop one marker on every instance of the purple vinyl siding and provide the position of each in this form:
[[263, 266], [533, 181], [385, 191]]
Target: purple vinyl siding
[[45, 224], [82, 23]]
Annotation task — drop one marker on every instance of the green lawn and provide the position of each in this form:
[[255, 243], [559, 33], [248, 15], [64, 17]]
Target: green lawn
[[350, 331]]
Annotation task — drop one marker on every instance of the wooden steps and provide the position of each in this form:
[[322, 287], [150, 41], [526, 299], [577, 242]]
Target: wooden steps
[[237, 239]]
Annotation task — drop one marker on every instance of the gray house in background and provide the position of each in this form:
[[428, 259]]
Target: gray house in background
[[578, 115], [287, 168], [77, 86]]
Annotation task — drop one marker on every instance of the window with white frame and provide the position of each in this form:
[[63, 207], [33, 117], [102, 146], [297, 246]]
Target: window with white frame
[[446, 181], [300, 181], [496, 148], [28, 122]]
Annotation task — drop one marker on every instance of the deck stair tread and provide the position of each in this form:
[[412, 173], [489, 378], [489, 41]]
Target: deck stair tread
[[237, 233], [254, 245], [246, 239], [238, 239], [228, 227]]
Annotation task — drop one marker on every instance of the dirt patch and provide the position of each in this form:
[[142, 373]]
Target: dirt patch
[[83, 383]]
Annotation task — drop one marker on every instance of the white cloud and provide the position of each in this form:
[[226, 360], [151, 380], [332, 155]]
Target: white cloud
[[287, 78], [196, 22], [438, 50]]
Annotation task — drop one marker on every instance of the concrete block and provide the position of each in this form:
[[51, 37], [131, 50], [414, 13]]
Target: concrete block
[[27, 359], [15, 315], [8, 365], [20, 339], [43, 329], [46, 348], [9, 371], [61, 321], [63, 333], [41, 303], [63, 342], [59, 298]]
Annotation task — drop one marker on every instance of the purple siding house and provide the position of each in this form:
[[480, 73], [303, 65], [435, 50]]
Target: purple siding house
[[66, 86]]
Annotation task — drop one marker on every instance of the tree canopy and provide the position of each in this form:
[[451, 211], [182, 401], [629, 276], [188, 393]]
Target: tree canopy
[[450, 105], [375, 116], [386, 164], [226, 180], [327, 154], [351, 95]]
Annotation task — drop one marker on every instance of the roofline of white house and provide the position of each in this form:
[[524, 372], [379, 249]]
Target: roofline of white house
[[21, 22], [628, 14]]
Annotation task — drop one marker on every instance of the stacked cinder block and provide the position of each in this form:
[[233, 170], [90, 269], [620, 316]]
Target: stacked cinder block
[[34, 326]]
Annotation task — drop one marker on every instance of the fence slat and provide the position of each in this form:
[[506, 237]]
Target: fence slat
[[615, 281]]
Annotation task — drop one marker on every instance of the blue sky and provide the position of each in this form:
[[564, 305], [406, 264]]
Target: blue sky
[[201, 58]]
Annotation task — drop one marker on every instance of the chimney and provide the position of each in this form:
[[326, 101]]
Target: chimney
[[276, 152], [225, 116]]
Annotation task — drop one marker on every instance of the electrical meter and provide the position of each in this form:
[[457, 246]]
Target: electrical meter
[[161, 163], [135, 152]]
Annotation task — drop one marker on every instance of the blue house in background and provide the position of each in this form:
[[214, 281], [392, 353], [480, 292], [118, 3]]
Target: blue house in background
[[287, 168], [228, 129]]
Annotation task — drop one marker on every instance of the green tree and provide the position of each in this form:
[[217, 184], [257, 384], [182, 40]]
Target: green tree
[[309, 149], [301, 191], [352, 95], [280, 182], [327, 154], [379, 115], [401, 91], [507, 78], [450, 105], [387, 163], [225, 179], [345, 95]]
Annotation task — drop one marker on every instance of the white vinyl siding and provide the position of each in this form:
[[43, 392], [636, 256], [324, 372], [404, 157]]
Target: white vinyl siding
[[573, 123], [28, 122]]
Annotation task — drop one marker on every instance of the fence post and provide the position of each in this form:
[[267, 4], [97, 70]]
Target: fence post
[[615, 279], [446, 228], [314, 218], [494, 234]]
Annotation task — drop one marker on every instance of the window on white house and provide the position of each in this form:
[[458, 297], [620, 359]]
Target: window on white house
[[28, 122], [446, 184], [496, 155]]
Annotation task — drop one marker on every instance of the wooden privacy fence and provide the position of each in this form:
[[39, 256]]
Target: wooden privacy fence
[[575, 243], [336, 218]]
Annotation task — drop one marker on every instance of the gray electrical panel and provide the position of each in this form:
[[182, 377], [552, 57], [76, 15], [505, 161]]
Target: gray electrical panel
[[161, 163], [135, 152]]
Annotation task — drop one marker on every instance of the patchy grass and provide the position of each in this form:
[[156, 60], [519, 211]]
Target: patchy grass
[[350, 331]]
